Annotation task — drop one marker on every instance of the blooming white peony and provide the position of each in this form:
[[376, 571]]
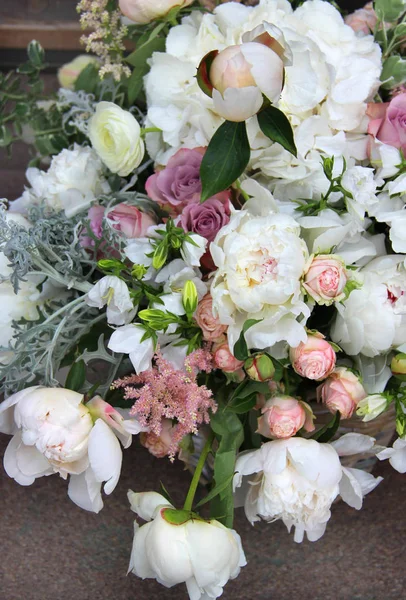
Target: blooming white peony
[[372, 320], [73, 181], [298, 479], [54, 432], [202, 554], [260, 262]]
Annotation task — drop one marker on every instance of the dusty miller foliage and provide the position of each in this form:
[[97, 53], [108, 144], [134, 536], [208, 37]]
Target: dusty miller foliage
[[51, 248]]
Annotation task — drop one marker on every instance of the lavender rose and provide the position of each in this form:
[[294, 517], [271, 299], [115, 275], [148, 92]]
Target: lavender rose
[[208, 218], [179, 183]]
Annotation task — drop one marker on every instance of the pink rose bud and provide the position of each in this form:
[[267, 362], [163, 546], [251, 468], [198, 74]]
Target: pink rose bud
[[129, 220], [398, 366], [341, 392], [362, 20], [145, 11], [224, 359], [325, 278], [208, 323], [259, 367], [283, 416], [388, 121], [313, 359], [159, 445]]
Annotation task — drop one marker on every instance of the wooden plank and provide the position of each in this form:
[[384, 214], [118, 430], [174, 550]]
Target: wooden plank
[[53, 36]]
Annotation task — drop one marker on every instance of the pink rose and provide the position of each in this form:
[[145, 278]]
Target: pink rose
[[313, 359], [283, 416], [208, 218], [363, 19], [325, 278], [178, 184], [388, 121], [208, 323], [341, 392], [129, 220], [224, 359], [159, 445]]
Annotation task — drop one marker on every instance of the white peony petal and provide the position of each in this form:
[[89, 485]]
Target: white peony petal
[[353, 443], [7, 424], [105, 455], [237, 104], [11, 465], [139, 562], [247, 463], [31, 462], [84, 491], [145, 504]]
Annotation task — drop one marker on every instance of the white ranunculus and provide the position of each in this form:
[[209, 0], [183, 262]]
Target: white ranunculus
[[113, 292], [260, 262], [73, 181], [54, 432], [127, 340], [297, 480], [115, 135], [396, 455], [372, 320], [202, 554]]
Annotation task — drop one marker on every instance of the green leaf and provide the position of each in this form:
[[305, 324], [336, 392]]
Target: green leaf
[[88, 79], [389, 10], [243, 405], [215, 491], [393, 72], [326, 433], [240, 347], [275, 125], [135, 83], [36, 54], [76, 376], [225, 159], [146, 46]]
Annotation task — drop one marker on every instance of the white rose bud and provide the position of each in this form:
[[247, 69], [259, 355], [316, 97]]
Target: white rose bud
[[68, 73], [202, 554], [116, 136], [145, 11]]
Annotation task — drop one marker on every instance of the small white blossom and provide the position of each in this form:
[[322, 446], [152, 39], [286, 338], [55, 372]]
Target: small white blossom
[[113, 292]]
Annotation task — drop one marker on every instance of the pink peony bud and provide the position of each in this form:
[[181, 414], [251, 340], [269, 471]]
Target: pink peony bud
[[159, 445], [129, 220], [341, 392], [362, 20], [145, 11], [325, 278], [224, 359], [208, 323], [283, 416], [313, 359]]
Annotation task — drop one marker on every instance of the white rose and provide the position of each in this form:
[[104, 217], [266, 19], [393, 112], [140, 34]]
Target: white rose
[[298, 479], [53, 432], [202, 554], [116, 136], [73, 181], [372, 319], [260, 262]]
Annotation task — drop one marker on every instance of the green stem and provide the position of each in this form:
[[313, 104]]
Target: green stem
[[48, 131], [198, 472], [14, 96]]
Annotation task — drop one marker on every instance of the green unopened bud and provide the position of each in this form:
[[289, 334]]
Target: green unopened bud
[[189, 297], [176, 242], [372, 406], [107, 264], [259, 367], [138, 271], [160, 255], [157, 319], [398, 366]]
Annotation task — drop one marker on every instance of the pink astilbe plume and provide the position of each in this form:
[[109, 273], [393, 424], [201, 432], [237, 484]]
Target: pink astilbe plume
[[164, 392]]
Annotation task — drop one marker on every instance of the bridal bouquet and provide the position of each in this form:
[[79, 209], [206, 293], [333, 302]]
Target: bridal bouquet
[[212, 240]]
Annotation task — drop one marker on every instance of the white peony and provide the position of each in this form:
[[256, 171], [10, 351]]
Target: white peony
[[73, 181], [115, 135], [202, 554], [297, 480], [260, 262], [54, 432], [372, 320]]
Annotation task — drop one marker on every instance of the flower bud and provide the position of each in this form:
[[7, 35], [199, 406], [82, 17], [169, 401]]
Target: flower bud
[[189, 297], [398, 366], [145, 11], [371, 407], [224, 359], [129, 220], [283, 416], [314, 359], [210, 325], [159, 445], [342, 392], [68, 73], [259, 367], [325, 278]]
